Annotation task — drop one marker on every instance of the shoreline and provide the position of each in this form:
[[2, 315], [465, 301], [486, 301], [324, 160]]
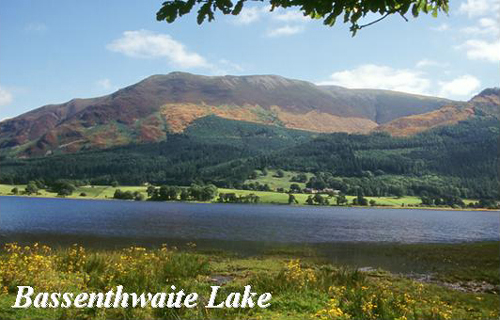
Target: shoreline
[[261, 203]]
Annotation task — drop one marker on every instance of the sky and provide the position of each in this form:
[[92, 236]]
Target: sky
[[53, 51]]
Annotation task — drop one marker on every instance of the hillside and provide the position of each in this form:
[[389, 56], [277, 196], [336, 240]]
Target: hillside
[[145, 112], [459, 160], [410, 125], [486, 103], [383, 106]]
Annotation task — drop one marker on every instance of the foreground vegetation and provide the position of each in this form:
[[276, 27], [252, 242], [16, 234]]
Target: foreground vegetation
[[303, 285]]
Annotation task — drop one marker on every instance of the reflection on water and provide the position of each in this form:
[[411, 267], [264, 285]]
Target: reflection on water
[[359, 237], [159, 221]]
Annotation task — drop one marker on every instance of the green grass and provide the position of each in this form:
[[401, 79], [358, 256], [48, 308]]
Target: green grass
[[309, 288], [266, 197], [282, 198], [456, 262], [92, 192], [275, 182], [273, 197]]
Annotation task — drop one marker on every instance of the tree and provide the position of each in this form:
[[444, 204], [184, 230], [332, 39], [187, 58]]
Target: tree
[[319, 199], [360, 199], [397, 191], [14, 190], [253, 175], [163, 193], [292, 199], [150, 191], [64, 192], [172, 193], [127, 195], [294, 187], [341, 199], [114, 184], [326, 10], [31, 188], [309, 200], [63, 187], [208, 192], [373, 202], [301, 177], [138, 196], [279, 174], [184, 196]]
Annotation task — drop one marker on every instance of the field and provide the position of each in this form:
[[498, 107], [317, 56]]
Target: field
[[275, 182], [92, 192], [266, 197], [282, 198]]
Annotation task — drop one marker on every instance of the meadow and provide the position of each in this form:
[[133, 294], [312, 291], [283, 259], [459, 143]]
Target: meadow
[[303, 284], [265, 197]]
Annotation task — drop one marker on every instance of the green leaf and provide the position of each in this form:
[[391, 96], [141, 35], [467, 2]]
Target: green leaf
[[330, 20], [238, 7], [204, 11], [415, 10]]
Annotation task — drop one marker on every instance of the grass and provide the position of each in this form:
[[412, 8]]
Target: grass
[[456, 262], [273, 197], [275, 182], [266, 197], [309, 288], [92, 192]]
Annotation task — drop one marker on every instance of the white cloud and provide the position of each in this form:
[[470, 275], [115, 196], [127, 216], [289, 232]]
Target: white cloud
[[441, 27], [485, 26], [478, 8], [482, 50], [35, 27], [226, 64], [286, 21], [381, 77], [286, 15], [5, 97], [462, 86], [148, 44], [286, 30], [481, 38], [424, 63], [106, 85], [248, 15]]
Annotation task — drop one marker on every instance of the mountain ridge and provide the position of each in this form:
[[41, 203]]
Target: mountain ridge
[[487, 102], [159, 104]]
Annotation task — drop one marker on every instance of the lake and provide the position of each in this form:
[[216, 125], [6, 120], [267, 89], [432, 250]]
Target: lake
[[156, 222]]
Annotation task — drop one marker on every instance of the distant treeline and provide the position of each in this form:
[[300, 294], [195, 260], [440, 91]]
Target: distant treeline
[[459, 160]]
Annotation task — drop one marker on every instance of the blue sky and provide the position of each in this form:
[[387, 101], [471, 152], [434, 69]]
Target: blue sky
[[52, 51]]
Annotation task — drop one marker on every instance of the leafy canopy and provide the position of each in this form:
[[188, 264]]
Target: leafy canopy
[[327, 10]]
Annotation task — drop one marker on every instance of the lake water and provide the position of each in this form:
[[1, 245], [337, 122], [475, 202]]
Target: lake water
[[22, 218]]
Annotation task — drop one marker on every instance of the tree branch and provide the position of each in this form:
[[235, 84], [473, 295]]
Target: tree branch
[[373, 22]]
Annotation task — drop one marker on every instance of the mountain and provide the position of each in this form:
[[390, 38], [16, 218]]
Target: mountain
[[413, 124], [485, 103], [147, 111], [383, 106]]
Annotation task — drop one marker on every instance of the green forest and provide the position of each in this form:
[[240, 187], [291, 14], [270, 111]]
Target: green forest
[[446, 163]]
